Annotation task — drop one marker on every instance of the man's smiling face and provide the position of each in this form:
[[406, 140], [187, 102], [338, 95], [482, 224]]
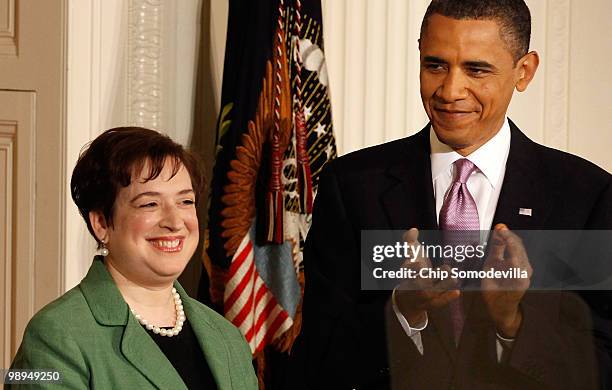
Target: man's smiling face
[[467, 79]]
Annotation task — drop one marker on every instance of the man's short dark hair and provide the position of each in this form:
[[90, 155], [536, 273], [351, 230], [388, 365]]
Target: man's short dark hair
[[112, 160], [513, 17]]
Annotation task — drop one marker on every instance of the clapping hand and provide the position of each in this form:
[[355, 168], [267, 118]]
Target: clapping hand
[[503, 295], [417, 295]]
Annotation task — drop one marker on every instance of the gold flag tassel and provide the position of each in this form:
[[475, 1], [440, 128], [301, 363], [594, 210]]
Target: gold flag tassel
[[274, 197], [304, 176]]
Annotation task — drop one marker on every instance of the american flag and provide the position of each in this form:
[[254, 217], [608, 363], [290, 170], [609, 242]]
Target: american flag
[[249, 304]]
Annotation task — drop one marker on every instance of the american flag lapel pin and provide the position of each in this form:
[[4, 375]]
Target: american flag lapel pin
[[524, 211]]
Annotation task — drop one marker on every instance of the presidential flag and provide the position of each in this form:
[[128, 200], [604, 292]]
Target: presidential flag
[[274, 135]]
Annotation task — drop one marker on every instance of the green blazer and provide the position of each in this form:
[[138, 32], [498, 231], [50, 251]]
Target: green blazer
[[91, 338]]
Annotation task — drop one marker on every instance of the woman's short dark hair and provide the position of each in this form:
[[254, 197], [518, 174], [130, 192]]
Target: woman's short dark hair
[[111, 160]]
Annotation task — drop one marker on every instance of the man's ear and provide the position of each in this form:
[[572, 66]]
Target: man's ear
[[99, 225], [526, 68]]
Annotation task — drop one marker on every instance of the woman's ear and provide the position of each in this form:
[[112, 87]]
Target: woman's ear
[[99, 225], [527, 67]]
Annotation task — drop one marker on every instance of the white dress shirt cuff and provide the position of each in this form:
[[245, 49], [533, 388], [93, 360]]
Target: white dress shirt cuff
[[413, 332], [502, 346]]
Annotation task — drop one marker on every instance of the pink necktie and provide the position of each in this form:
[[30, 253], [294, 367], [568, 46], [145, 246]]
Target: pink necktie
[[459, 212]]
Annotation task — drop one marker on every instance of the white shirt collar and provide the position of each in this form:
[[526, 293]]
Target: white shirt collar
[[490, 158]]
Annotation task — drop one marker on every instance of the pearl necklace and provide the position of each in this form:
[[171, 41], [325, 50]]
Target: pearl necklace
[[180, 318]]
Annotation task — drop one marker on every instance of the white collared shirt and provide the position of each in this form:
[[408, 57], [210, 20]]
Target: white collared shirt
[[484, 184]]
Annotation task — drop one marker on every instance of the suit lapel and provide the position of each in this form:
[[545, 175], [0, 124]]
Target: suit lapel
[[140, 349], [523, 187], [211, 342], [409, 201]]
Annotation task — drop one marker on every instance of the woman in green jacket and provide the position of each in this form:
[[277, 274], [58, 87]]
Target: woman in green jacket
[[129, 324]]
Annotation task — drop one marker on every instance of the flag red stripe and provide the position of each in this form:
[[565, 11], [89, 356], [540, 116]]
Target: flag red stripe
[[265, 313], [237, 262], [244, 312], [271, 331], [261, 291], [229, 302], [249, 335]]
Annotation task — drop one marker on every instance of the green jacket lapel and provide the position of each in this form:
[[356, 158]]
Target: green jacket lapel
[[211, 341], [103, 296], [140, 349], [109, 308]]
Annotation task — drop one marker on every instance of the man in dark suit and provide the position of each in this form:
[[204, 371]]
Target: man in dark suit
[[474, 54]]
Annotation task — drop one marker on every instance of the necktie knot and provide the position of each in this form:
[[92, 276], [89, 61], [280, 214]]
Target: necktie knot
[[463, 170], [459, 211]]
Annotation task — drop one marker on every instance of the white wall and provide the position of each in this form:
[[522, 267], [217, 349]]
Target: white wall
[[590, 81], [97, 100], [218, 32], [371, 46]]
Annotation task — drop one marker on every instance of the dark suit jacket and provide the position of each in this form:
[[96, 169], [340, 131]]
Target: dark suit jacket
[[349, 340]]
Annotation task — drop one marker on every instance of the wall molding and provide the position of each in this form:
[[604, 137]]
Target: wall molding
[[145, 75], [556, 97], [8, 36], [7, 142], [17, 258]]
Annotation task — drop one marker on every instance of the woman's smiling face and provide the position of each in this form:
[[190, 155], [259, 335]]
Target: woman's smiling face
[[154, 229]]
